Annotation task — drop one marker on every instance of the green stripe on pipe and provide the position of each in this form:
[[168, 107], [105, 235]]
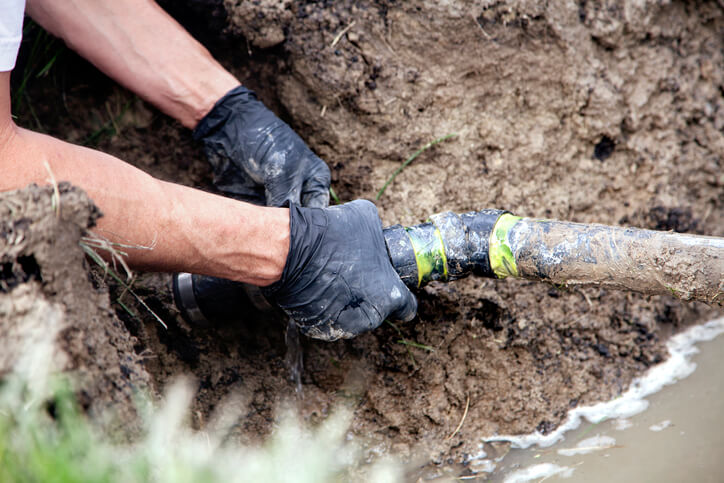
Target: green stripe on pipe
[[429, 251], [501, 256]]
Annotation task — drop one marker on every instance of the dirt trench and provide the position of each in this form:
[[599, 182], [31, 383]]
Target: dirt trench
[[609, 111]]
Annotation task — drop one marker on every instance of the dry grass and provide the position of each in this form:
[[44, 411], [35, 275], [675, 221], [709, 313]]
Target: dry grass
[[93, 245]]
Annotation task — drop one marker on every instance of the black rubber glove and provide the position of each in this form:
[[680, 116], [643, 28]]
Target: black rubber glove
[[338, 280], [257, 157]]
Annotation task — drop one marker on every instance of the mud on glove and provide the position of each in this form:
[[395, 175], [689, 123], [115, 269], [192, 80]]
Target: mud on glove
[[257, 157], [338, 280]]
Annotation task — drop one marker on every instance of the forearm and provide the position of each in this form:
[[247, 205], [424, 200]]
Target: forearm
[[186, 229], [140, 46]]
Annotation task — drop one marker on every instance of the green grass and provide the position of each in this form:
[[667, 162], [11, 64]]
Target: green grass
[[45, 437], [412, 157], [409, 343], [91, 245], [44, 54], [107, 128], [334, 196], [417, 345], [399, 170]]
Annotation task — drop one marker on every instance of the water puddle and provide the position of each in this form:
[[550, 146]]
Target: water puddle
[[650, 433]]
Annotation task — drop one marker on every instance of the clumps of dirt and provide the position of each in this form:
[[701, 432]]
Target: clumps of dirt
[[262, 23], [564, 111], [677, 218], [609, 112], [588, 111], [47, 297], [245, 358]]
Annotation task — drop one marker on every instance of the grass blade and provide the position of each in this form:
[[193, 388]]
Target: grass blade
[[416, 345], [411, 159], [108, 270], [49, 65]]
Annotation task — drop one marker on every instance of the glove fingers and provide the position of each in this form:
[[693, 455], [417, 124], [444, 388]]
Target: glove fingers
[[364, 316], [230, 180], [354, 320], [241, 193], [315, 191], [279, 194], [316, 199], [404, 306], [255, 199]]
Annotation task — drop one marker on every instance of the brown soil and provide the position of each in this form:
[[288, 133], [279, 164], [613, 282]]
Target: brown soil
[[610, 112], [46, 291]]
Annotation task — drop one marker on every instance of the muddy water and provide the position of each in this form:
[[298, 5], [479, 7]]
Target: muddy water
[[679, 437]]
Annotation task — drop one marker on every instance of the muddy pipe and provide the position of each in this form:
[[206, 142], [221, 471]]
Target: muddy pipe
[[497, 244]]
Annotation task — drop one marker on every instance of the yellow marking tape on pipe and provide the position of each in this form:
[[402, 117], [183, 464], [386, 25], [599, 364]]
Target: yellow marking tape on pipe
[[501, 256], [442, 253], [429, 256]]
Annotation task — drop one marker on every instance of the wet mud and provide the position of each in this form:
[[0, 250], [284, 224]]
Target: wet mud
[[608, 112]]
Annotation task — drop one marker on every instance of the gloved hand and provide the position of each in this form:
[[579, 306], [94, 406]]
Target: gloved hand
[[338, 280], [257, 157]]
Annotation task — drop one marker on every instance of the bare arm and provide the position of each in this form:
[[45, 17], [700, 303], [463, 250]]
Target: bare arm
[[191, 230], [140, 46], [255, 155]]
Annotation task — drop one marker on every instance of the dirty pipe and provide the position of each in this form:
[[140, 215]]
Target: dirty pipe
[[497, 244], [690, 267]]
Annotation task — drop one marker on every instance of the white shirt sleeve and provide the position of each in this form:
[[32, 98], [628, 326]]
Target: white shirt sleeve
[[11, 32]]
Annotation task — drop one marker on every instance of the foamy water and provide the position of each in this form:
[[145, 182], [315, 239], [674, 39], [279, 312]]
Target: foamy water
[[618, 413]]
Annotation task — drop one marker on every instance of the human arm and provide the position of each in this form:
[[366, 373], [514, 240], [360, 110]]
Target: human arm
[[189, 230], [255, 155], [197, 232], [328, 268], [141, 47]]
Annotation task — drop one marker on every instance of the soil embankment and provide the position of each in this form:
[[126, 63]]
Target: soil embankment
[[49, 301], [609, 112]]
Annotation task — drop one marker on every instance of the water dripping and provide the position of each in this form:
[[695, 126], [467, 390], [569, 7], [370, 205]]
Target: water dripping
[[294, 358]]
